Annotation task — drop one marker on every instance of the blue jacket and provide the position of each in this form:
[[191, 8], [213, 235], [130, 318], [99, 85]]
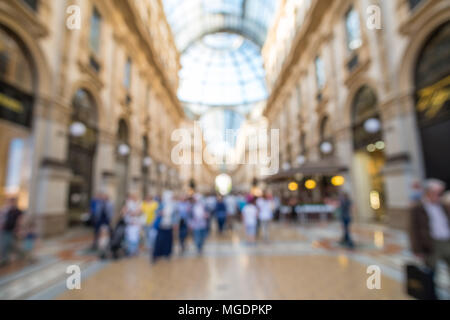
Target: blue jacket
[[97, 210]]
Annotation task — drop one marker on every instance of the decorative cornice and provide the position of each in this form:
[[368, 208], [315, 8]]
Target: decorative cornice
[[31, 22]]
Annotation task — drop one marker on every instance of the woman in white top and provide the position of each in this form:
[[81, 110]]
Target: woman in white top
[[265, 206], [132, 216], [250, 219]]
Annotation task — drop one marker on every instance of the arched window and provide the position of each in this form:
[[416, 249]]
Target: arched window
[[432, 82], [83, 129], [82, 147], [15, 63], [365, 118], [326, 138]]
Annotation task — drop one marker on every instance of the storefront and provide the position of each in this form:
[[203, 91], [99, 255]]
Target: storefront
[[369, 157], [17, 98], [83, 134], [432, 83]]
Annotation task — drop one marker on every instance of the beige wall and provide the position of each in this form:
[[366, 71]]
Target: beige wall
[[61, 57], [386, 63]]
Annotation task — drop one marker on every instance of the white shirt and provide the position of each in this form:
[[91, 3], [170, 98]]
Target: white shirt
[[250, 213], [265, 209], [231, 204], [438, 221]]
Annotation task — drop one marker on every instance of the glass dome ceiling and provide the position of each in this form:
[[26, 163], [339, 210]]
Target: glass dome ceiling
[[192, 19], [222, 78], [222, 69]]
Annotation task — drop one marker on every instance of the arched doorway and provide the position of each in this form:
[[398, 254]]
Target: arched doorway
[[83, 134], [18, 87], [369, 156], [432, 83], [122, 163]]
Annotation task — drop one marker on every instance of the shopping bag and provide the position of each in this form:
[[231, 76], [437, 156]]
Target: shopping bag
[[419, 282]]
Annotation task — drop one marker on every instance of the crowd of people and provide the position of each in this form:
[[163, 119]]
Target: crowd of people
[[155, 222]]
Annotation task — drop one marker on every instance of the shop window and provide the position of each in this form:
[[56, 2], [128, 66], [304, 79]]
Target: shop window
[[16, 152], [432, 83]]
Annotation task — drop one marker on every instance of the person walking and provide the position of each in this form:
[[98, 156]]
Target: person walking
[[198, 222], [210, 205], [12, 218], [265, 207], [149, 209], [183, 210], [345, 207], [250, 219], [232, 209], [220, 212], [167, 219], [430, 227], [132, 217], [102, 214]]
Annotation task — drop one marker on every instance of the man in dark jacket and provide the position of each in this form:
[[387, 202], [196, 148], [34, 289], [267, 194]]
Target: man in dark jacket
[[102, 215], [430, 226], [12, 216]]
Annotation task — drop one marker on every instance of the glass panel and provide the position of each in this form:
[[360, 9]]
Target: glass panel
[[320, 73], [352, 26], [127, 76], [191, 19], [94, 39]]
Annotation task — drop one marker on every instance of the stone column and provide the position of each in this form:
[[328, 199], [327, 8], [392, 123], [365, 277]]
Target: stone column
[[105, 162], [402, 158], [50, 171]]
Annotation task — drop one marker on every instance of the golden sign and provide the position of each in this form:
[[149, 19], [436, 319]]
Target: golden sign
[[433, 98], [11, 104]]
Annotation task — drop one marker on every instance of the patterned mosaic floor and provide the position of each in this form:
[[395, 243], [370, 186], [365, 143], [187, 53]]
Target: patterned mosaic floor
[[300, 262]]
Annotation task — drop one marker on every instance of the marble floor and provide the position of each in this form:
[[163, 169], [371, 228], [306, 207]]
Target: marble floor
[[300, 262]]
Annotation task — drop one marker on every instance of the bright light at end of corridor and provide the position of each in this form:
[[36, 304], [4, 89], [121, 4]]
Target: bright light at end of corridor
[[223, 184]]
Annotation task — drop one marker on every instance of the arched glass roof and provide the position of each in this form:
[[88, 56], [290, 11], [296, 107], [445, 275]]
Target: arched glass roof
[[192, 19], [222, 69], [222, 76]]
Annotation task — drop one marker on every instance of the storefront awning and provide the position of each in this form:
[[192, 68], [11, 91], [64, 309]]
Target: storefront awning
[[322, 167]]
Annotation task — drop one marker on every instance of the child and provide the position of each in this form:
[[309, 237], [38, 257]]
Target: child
[[132, 233], [29, 241], [250, 218]]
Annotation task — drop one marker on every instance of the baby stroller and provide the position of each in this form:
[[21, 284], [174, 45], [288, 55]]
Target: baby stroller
[[118, 239]]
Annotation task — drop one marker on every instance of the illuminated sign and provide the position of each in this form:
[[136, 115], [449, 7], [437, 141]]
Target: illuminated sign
[[15, 105]]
